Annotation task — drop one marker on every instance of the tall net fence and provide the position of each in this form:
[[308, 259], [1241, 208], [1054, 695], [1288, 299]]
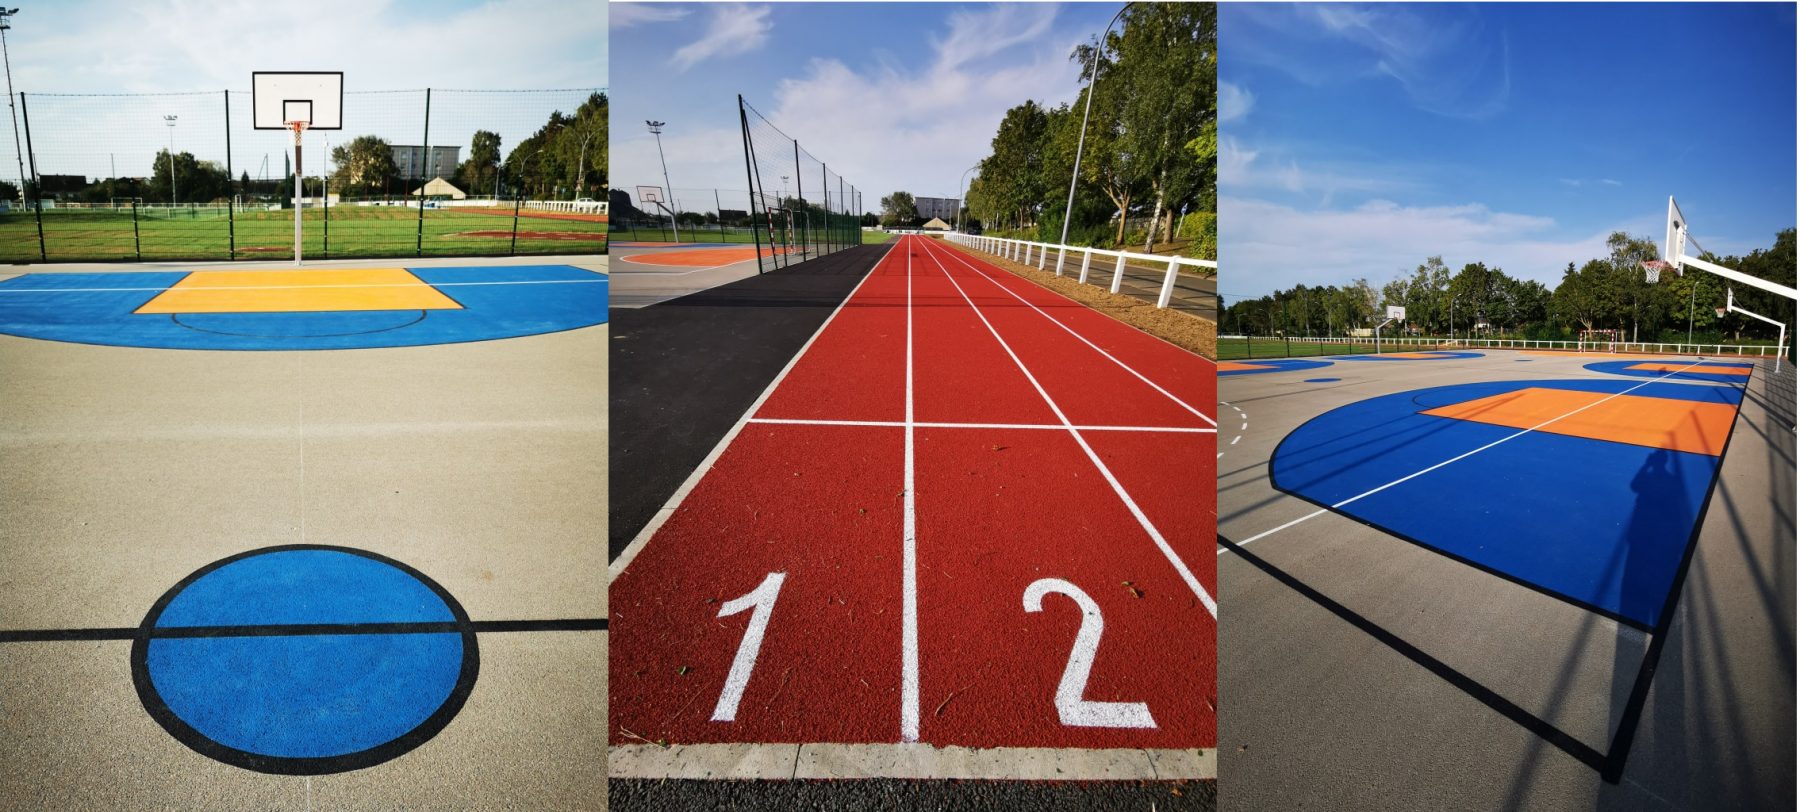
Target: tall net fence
[[799, 208], [686, 215], [143, 177]]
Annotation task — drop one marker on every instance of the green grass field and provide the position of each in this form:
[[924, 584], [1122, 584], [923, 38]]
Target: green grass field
[[1241, 349], [349, 232], [876, 237]]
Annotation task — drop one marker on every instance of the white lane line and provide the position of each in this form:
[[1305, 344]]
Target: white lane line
[[1143, 520], [419, 284], [909, 587], [1520, 433], [1051, 426], [1140, 376], [693, 480]]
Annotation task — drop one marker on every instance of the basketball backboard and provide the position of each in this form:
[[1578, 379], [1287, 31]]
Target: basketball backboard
[[1675, 239], [316, 97], [1396, 313], [650, 194]]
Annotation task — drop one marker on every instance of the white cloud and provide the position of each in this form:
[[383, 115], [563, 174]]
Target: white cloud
[[1269, 246], [1611, 182], [626, 15], [734, 29], [976, 35], [1234, 102]]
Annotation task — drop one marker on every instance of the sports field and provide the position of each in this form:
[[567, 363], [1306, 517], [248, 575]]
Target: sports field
[[340, 232], [1508, 580], [962, 533]]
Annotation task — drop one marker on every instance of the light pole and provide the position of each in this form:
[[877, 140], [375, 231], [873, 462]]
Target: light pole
[[581, 167], [6, 24], [656, 130], [170, 120], [962, 204], [1093, 76]]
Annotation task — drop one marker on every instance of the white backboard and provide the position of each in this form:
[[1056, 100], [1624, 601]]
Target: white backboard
[[1396, 313], [650, 194], [315, 96], [1675, 240]]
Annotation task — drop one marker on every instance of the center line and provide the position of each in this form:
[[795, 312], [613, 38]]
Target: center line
[[1520, 433]]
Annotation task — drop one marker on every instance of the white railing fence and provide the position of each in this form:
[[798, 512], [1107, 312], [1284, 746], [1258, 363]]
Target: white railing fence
[[1021, 251], [595, 207], [1615, 347]]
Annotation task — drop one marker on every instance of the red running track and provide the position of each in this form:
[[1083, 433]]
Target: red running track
[[1050, 449]]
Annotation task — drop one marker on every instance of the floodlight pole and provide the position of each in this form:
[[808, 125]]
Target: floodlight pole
[[170, 120], [962, 204], [581, 167], [1093, 76], [6, 54], [656, 130]]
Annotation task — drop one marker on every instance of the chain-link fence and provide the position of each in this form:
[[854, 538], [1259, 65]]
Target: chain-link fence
[[184, 176], [686, 215], [799, 209]]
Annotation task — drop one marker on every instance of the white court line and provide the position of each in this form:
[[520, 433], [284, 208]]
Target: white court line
[[902, 424], [1122, 364], [419, 284], [1143, 520], [909, 584], [693, 480], [1521, 433]]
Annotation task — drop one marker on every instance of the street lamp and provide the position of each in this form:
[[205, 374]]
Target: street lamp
[[656, 130], [170, 120], [581, 167], [1093, 76], [962, 204], [6, 54]]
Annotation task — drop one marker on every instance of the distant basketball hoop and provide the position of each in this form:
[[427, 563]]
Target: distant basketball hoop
[[298, 101], [1653, 270]]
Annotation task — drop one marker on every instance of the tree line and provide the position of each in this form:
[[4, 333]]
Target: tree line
[[1603, 293], [1151, 143]]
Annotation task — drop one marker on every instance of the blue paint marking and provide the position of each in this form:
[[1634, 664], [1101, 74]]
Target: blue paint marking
[[1323, 380], [96, 308], [1278, 364], [1698, 373], [1521, 360], [305, 696], [1602, 524], [1436, 356]]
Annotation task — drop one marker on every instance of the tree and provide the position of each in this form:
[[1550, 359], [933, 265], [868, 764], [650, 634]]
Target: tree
[[365, 166], [479, 173], [194, 181], [898, 210]]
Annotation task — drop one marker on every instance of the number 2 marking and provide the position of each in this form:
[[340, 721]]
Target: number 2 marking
[[762, 598], [1075, 711]]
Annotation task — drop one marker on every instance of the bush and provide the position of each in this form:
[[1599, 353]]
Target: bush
[[1202, 229]]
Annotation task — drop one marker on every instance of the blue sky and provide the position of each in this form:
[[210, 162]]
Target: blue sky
[[893, 96], [1357, 140]]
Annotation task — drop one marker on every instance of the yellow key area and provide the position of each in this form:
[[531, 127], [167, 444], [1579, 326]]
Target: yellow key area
[[299, 291]]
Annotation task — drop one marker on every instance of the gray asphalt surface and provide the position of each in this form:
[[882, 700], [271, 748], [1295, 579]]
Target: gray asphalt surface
[[123, 470], [1361, 671]]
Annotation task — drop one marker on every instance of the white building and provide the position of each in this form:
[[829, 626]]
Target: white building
[[412, 161], [943, 208]]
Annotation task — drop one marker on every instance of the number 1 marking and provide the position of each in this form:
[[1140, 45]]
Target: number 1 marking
[[763, 599], [1075, 711]]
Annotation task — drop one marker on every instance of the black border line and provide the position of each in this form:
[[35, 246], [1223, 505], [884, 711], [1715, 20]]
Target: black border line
[[319, 765], [1611, 765], [176, 317], [299, 630]]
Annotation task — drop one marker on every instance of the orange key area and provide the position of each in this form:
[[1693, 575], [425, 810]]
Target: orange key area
[[1233, 366], [1706, 368], [298, 291], [1677, 425]]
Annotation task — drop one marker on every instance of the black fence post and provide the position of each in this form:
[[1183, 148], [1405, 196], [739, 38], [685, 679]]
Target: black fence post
[[514, 250], [425, 161], [230, 202], [137, 243], [749, 177], [37, 206], [325, 204]]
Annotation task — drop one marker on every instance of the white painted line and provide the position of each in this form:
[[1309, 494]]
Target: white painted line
[[903, 424], [1143, 520], [915, 761], [909, 586], [1520, 433], [1235, 439], [687, 486], [1140, 376]]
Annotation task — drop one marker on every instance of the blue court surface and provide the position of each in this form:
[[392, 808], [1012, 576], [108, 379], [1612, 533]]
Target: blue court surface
[[1600, 514], [1431, 355], [305, 660], [1677, 369], [477, 303], [1259, 367]]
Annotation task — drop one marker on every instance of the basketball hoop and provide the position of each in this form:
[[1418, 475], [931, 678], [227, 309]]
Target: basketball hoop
[[1720, 311], [1653, 270]]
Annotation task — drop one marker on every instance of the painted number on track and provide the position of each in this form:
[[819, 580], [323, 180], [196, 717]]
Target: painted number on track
[[1075, 711], [762, 598]]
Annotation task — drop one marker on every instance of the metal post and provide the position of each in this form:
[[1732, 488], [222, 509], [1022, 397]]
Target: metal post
[[800, 192], [6, 53], [1093, 77], [750, 178], [230, 208], [36, 205], [325, 190], [137, 244], [173, 198], [513, 250], [419, 246], [656, 130], [299, 195]]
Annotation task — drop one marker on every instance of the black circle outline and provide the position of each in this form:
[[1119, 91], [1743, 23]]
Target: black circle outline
[[317, 765], [176, 317]]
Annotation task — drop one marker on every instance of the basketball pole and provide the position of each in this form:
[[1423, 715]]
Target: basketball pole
[[298, 199]]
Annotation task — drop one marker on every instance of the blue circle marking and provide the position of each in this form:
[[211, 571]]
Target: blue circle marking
[[305, 660], [494, 302], [1678, 369]]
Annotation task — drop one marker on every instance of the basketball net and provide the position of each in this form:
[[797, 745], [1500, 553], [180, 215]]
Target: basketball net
[[1653, 270]]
